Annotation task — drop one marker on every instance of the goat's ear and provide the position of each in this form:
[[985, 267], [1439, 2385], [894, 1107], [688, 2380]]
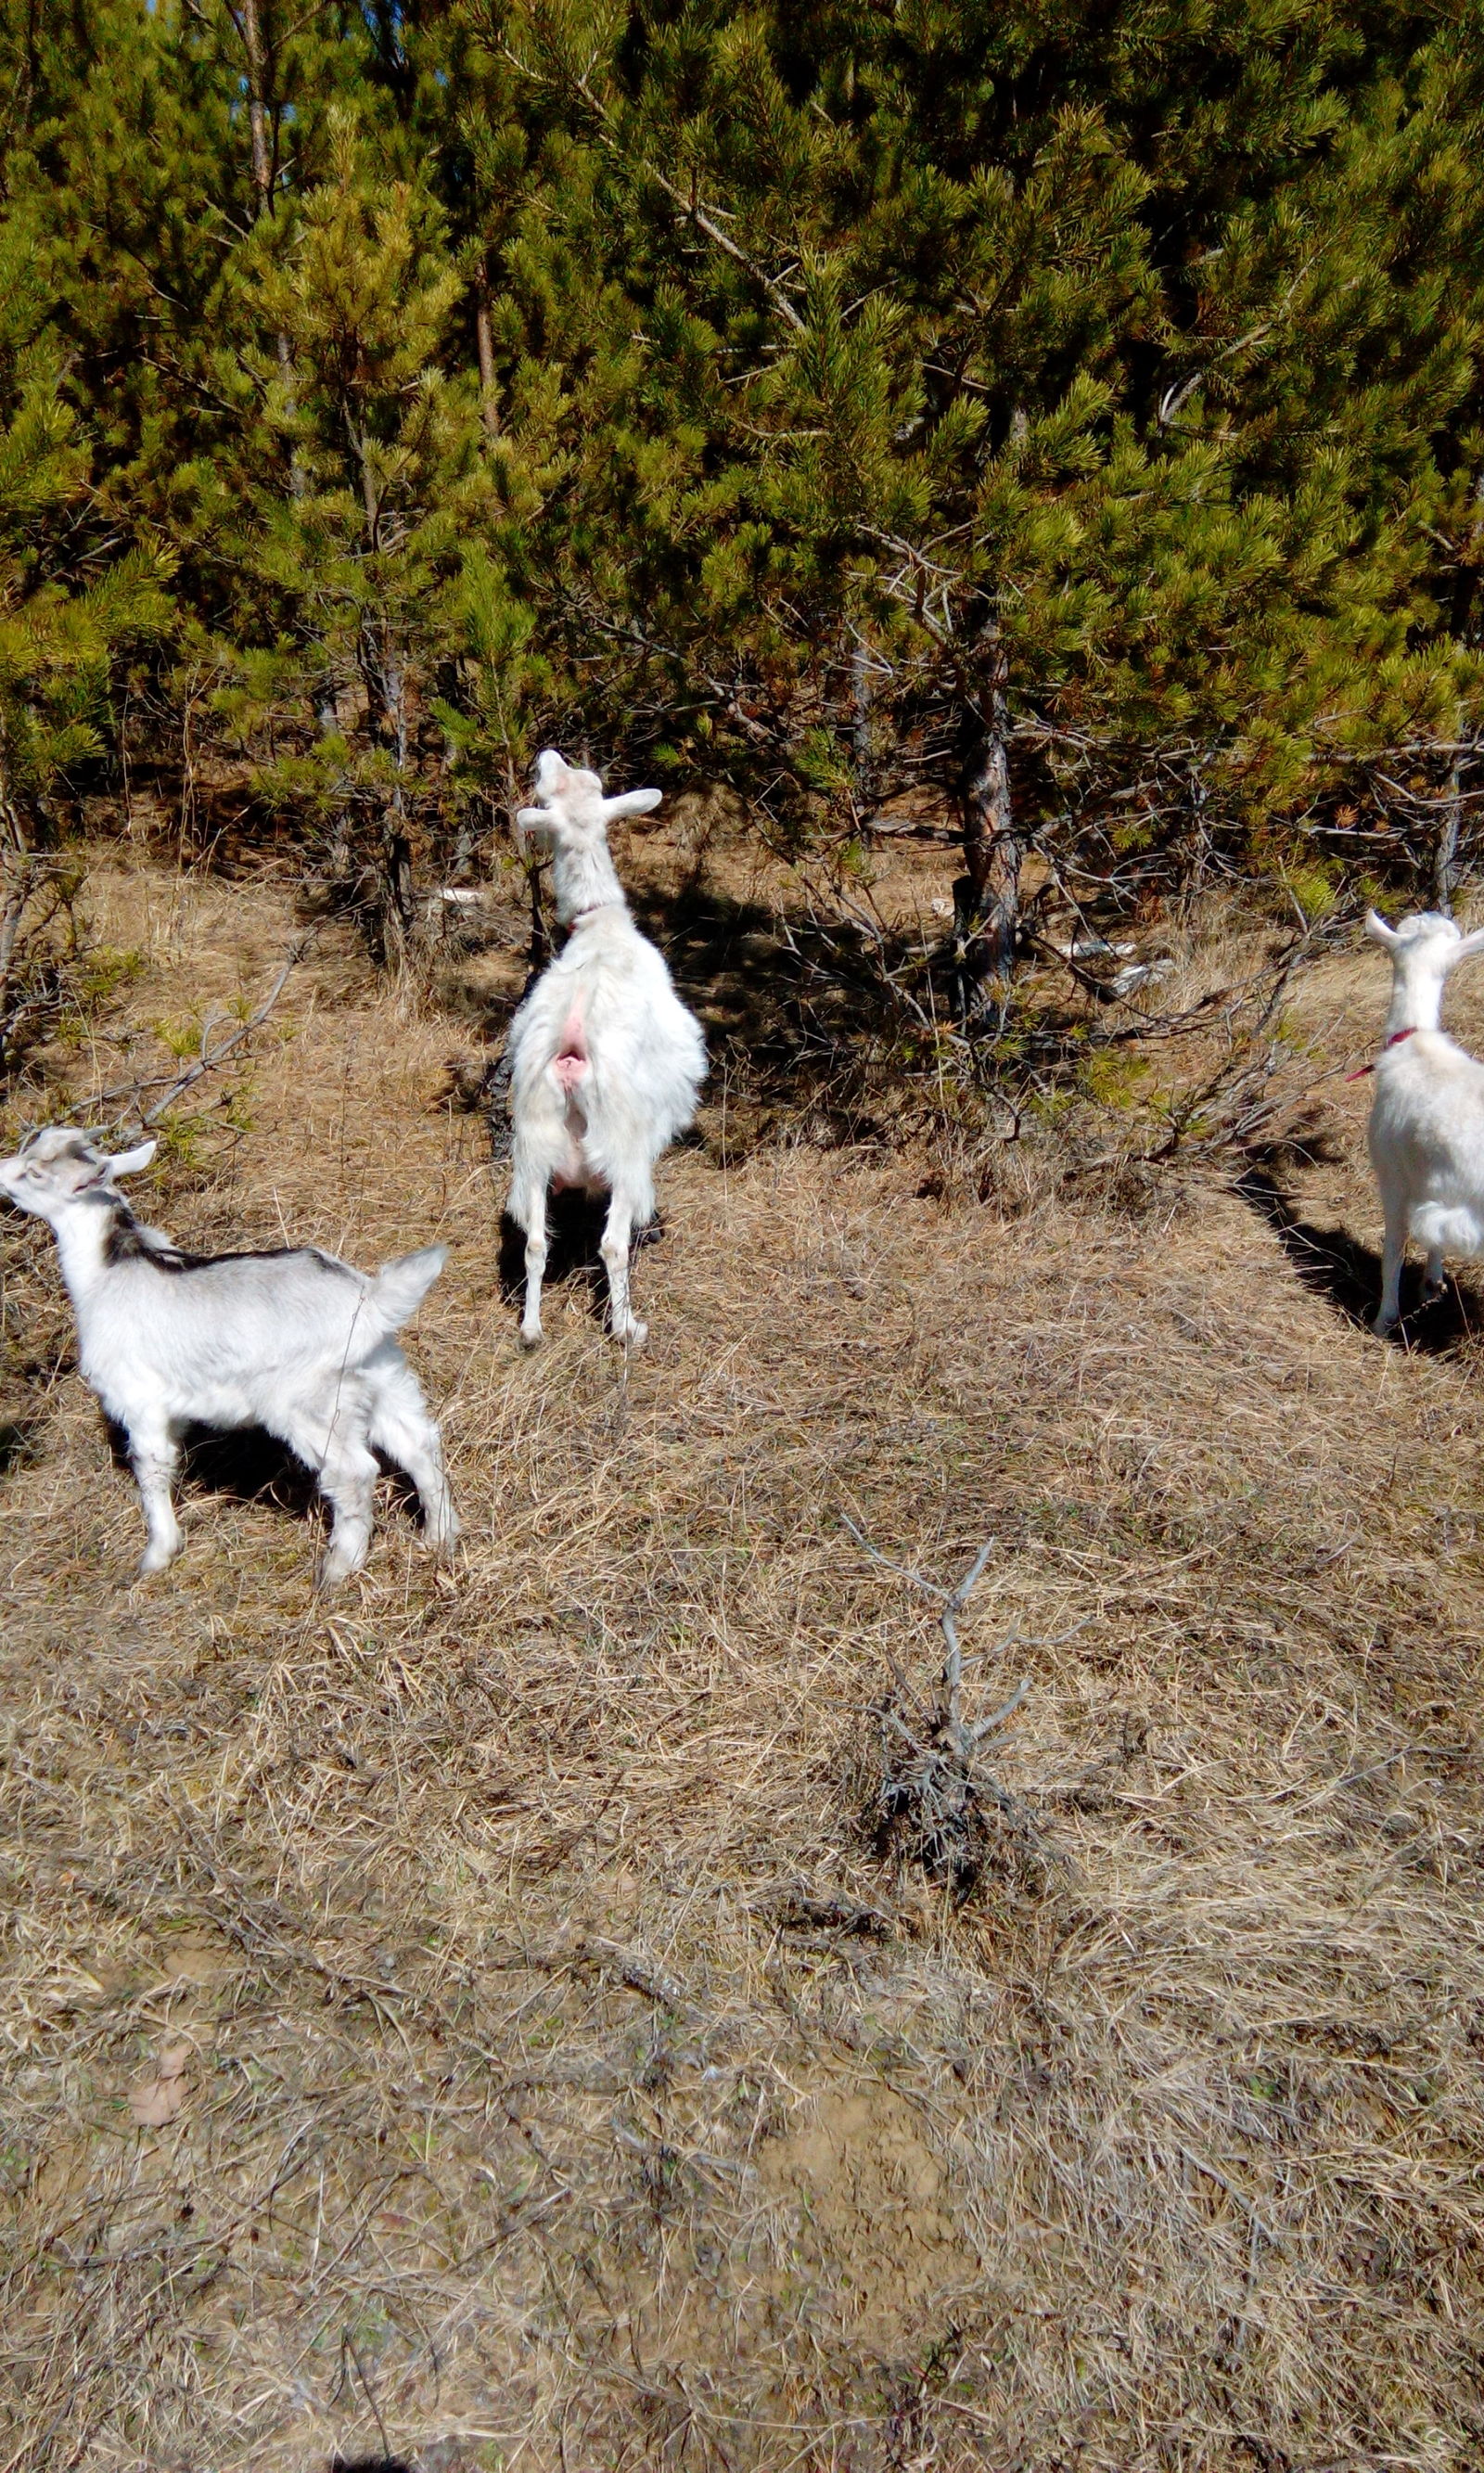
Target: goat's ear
[[130, 1162], [1378, 931], [535, 823], [631, 803], [1473, 942]]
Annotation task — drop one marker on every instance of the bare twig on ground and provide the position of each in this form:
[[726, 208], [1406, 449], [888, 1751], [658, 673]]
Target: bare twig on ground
[[209, 1057], [933, 1780]]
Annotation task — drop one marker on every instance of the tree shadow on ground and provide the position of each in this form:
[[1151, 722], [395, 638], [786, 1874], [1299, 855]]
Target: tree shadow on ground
[[18, 1443], [798, 1011], [1347, 1276], [800, 1015]]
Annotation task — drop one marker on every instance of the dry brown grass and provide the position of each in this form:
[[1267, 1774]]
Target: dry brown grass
[[569, 2085]]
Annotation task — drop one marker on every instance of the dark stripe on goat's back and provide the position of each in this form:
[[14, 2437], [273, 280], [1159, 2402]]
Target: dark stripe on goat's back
[[127, 1242]]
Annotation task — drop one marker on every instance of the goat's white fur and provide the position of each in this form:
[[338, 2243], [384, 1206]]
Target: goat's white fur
[[1427, 1129], [606, 1063], [295, 1341]]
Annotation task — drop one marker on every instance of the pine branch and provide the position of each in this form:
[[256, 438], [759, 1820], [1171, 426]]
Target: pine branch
[[703, 218]]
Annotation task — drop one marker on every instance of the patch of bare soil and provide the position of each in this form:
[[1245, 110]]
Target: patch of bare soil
[[877, 2220], [465, 2023]]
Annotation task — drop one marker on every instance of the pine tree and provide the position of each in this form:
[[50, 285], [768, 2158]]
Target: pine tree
[[1074, 418], [352, 482], [1002, 386], [68, 605]]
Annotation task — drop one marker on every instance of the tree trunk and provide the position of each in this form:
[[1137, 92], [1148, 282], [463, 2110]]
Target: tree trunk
[[398, 908], [251, 30], [396, 889], [257, 105], [1444, 858], [485, 343], [14, 893], [14, 884], [860, 729], [987, 896]]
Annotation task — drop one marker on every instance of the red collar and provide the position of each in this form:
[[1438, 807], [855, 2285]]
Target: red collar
[[591, 910], [1395, 1041]]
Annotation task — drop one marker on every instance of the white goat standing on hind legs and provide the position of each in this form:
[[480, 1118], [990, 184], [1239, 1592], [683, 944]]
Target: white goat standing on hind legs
[[606, 1063], [1427, 1129], [292, 1340]]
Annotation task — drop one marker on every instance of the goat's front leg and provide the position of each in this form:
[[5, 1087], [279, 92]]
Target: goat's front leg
[[155, 1456], [1434, 1279], [1393, 1255], [617, 1232]]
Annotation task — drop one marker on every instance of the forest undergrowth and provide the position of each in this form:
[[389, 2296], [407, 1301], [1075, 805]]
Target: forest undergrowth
[[479, 2020]]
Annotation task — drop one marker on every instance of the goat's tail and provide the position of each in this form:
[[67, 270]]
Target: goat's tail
[[1446, 1229], [399, 1288]]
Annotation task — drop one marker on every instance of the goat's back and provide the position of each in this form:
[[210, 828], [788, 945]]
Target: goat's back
[[646, 1053], [208, 1324]]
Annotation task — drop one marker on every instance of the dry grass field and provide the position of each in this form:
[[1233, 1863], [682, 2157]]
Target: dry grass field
[[464, 2023]]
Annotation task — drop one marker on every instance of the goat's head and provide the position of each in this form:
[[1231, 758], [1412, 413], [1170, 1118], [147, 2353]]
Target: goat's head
[[57, 1163], [1425, 937], [574, 814]]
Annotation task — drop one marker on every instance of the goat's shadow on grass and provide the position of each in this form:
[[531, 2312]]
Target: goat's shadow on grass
[[1347, 1275], [574, 1232], [251, 1465]]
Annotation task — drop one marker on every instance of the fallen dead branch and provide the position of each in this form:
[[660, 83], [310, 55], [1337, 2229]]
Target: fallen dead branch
[[209, 1058], [929, 1801]]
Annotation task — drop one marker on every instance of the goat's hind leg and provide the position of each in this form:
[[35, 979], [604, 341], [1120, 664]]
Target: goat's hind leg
[[624, 1210], [528, 1210], [400, 1427], [155, 1456], [332, 1438], [1434, 1277]]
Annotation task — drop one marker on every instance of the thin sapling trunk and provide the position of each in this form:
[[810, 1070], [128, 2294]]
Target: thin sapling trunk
[[987, 896]]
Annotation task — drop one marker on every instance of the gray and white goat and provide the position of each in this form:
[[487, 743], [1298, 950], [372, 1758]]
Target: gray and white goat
[[1427, 1129], [606, 1063], [292, 1340]]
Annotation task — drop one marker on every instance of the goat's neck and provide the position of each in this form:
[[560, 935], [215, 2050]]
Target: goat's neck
[[82, 1229], [585, 879], [1416, 999]]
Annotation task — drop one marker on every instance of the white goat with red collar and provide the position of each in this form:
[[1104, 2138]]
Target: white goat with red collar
[[606, 1063], [1427, 1129]]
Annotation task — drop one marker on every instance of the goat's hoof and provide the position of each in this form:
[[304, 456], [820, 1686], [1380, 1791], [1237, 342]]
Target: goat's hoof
[[529, 1339], [634, 1336], [334, 1570], [1384, 1325], [1434, 1291], [156, 1558]]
